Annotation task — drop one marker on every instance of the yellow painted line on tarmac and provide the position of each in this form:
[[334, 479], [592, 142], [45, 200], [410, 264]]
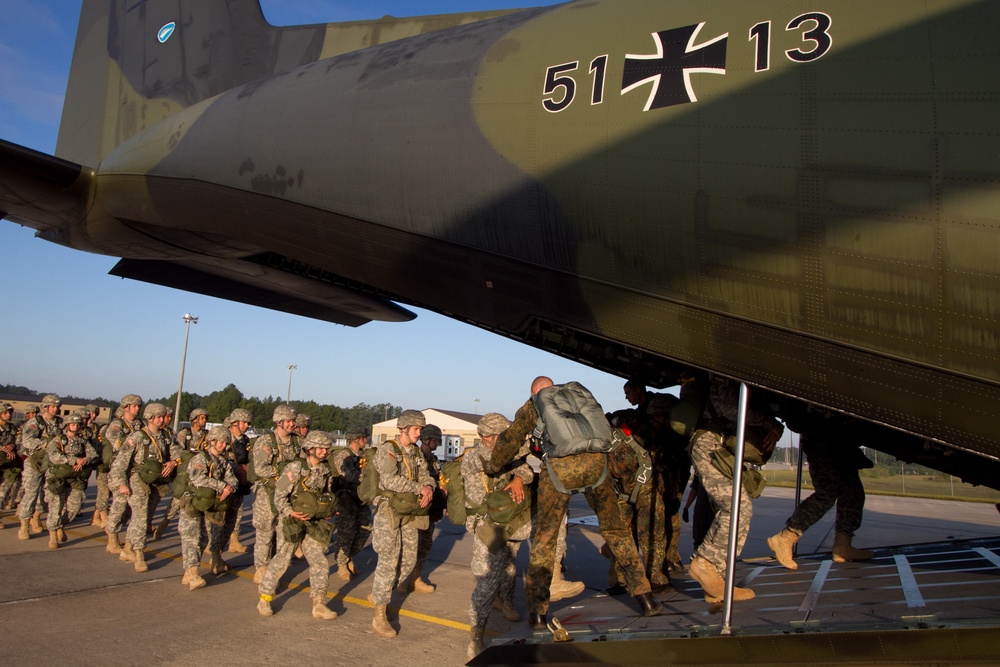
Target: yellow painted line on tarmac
[[361, 602]]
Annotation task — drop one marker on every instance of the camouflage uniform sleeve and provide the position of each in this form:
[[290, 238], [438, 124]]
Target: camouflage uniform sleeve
[[229, 473], [347, 466], [55, 453], [176, 447], [198, 473], [31, 437], [90, 452], [118, 475], [424, 475], [285, 486], [472, 475], [511, 440], [263, 450], [387, 464]]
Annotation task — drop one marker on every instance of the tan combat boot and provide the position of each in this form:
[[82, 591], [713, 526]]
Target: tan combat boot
[[381, 624], [22, 532], [475, 642], [843, 551], [235, 547], [264, 606], [53, 539], [713, 584], [61, 534], [96, 519], [194, 580], [218, 565], [561, 589], [36, 524], [160, 529], [127, 555], [343, 572], [782, 544], [258, 575], [104, 519], [114, 546], [506, 607], [414, 583], [140, 560], [320, 610]]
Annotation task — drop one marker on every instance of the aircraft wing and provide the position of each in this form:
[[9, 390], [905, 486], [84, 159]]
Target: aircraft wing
[[41, 188]]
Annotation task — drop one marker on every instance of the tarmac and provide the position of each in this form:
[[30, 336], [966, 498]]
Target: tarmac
[[80, 605]]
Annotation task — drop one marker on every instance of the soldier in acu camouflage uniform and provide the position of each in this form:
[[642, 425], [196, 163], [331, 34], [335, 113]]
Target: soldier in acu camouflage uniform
[[303, 423], [35, 435], [299, 478], [10, 462], [268, 451], [142, 449], [576, 471], [125, 422], [494, 570], [353, 518], [69, 449], [708, 563], [208, 468], [30, 412], [401, 468], [188, 439], [430, 439], [237, 422]]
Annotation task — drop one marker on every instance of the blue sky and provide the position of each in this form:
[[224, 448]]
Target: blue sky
[[69, 327]]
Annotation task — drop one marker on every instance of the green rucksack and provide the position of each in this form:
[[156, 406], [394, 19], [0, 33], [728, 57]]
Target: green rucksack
[[453, 482], [368, 489], [181, 485], [251, 471]]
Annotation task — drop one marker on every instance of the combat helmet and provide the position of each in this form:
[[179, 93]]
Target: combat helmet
[[51, 399], [409, 418], [219, 434], [317, 439], [283, 412], [154, 410]]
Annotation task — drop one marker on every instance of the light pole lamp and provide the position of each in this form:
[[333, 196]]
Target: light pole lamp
[[288, 397], [189, 319]]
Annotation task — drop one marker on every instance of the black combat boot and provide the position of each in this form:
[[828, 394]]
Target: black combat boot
[[537, 621], [649, 604]]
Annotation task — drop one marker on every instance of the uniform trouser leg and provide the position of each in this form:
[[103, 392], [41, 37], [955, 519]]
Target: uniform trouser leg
[[264, 521], [74, 503], [834, 483], [139, 502], [8, 485], [174, 508], [714, 548], [388, 541], [56, 503], [31, 482], [191, 526], [346, 528], [425, 540], [117, 515], [494, 574], [103, 494], [618, 536], [549, 517], [702, 517], [319, 566], [234, 514], [650, 533]]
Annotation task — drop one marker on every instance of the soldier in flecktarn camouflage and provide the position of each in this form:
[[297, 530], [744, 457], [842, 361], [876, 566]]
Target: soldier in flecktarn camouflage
[[493, 565], [268, 451], [69, 455], [304, 497], [402, 469], [201, 525], [34, 436], [353, 519], [142, 461], [10, 462], [125, 422], [708, 563]]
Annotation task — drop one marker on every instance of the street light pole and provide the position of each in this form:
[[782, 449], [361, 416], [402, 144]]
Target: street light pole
[[288, 397], [189, 319]]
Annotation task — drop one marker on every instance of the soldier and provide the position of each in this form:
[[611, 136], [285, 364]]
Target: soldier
[[125, 422], [430, 440], [353, 518], [708, 563], [303, 422], [579, 471], [69, 455], [200, 516], [143, 460], [268, 451], [35, 435], [90, 431], [493, 568], [17, 492], [188, 439], [834, 459], [673, 469], [401, 469], [304, 497], [10, 462], [237, 422]]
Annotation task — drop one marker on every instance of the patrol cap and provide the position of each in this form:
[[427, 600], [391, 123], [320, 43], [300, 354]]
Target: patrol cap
[[131, 399], [492, 423], [429, 431], [30, 408], [154, 410], [51, 399], [302, 419], [90, 407], [356, 432], [197, 412], [219, 434], [283, 412], [409, 418], [240, 415], [74, 418], [317, 439]]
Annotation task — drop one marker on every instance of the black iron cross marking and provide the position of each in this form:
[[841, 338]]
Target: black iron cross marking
[[669, 70]]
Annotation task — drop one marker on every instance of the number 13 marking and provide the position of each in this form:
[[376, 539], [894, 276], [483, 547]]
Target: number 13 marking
[[819, 35]]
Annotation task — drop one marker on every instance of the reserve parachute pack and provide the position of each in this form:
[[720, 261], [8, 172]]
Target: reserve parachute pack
[[571, 421], [368, 488]]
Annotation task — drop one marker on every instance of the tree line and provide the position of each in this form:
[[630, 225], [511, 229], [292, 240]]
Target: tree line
[[220, 403]]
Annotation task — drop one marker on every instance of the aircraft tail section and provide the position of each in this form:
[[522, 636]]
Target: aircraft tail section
[[138, 62]]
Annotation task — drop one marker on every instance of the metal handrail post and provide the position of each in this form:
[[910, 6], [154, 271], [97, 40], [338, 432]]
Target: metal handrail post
[[734, 521]]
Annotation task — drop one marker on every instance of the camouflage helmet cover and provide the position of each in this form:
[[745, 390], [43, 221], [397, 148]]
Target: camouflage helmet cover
[[356, 432], [219, 434], [131, 399], [302, 419], [240, 415], [30, 409], [317, 439], [154, 410], [283, 412], [74, 418], [197, 412], [51, 399], [6, 407], [409, 418], [492, 423], [90, 407], [430, 431]]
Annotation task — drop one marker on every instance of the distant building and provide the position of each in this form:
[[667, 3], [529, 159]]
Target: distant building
[[458, 431], [69, 405]]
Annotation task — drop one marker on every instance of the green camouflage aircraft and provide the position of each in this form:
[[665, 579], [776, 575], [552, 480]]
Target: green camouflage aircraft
[[803, 199]]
